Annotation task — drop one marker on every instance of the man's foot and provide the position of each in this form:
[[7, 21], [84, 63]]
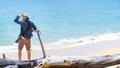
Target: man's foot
[[19, 63]]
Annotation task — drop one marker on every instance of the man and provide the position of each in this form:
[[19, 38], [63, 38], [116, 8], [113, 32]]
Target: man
[[25, 35]]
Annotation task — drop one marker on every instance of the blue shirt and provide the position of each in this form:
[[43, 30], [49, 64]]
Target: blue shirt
[[24, 25]]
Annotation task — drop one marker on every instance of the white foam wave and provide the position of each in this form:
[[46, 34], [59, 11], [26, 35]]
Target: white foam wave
[[64, 43], [85, 40], [9, 48], [14, 48]]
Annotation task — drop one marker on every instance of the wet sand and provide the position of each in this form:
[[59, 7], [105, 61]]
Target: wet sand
[[101, 48]]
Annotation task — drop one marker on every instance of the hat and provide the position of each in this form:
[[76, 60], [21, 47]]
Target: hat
[[25, 15]]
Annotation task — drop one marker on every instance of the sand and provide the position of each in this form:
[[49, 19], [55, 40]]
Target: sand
[[101, 48]]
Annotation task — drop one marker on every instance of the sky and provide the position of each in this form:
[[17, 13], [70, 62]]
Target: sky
[[59, 3]]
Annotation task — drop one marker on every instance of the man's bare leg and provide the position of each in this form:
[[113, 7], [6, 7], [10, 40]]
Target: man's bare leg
[[29, 55], [19, 56]]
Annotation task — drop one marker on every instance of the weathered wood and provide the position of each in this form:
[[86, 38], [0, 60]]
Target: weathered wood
[[4, 56], [57, 65], [7, 62], [4, 62], [95, 62]]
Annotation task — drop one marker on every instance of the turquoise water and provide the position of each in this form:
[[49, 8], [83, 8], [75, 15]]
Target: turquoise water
[[57, 20]]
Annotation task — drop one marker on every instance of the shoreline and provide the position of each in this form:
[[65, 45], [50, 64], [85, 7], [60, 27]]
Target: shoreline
[[105, 44], [92, 49]]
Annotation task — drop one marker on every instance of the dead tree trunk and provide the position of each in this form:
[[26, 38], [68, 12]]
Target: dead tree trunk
[[94, 62]]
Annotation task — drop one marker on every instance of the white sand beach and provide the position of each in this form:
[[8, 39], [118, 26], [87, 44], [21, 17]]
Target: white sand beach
[[107, 47], [91, 49], [85, 48]]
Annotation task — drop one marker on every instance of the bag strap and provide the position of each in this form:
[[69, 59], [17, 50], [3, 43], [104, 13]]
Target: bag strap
[[26, 29]]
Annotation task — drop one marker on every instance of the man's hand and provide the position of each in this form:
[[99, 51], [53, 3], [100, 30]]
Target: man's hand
[[21, 14], [37, 30]]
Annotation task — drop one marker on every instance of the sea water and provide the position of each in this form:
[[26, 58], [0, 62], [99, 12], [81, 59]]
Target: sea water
[[60, 20]]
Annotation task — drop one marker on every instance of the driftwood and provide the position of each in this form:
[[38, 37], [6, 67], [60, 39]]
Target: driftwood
[[13, 63], [92, 62], [7, 62]]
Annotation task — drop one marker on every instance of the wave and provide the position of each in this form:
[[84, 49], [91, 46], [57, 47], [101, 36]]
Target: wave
[[14, 48], [63, 43], [84, 40]]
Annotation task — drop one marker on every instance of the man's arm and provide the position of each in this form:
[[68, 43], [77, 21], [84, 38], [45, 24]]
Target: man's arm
[[34, 28], [16, 20]]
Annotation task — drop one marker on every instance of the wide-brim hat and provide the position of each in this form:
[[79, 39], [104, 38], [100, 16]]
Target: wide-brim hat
[[25, 15]]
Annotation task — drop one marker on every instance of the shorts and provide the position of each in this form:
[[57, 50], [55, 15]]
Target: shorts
[[24, 42]]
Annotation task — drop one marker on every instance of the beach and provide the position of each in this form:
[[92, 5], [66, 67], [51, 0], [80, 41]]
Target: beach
[[79, 28], [88, 47]]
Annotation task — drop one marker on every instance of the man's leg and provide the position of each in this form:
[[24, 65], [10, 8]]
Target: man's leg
[[20, 47], [29, 55], [28, 48], [19, 56]]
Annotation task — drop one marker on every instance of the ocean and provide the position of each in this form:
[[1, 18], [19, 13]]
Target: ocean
[[61, 20]]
